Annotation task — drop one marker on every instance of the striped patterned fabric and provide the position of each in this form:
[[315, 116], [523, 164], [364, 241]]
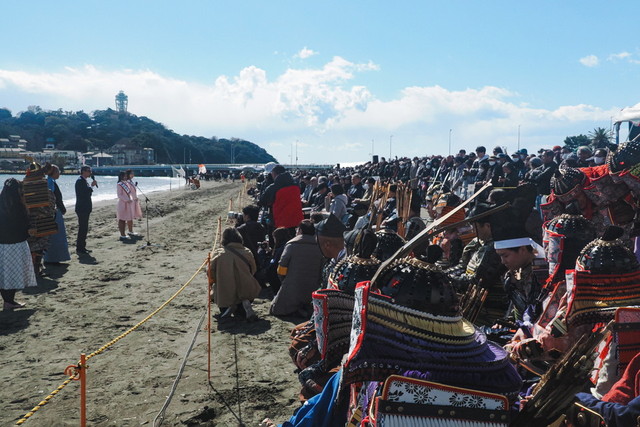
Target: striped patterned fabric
[[332, 313], [593, 298], [627, 336], [388, 339]]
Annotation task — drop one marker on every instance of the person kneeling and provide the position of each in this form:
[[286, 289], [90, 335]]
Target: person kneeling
[[300, 270], [231, 274]]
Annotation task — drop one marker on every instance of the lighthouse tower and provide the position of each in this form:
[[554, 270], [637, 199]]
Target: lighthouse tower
[[122, 101]]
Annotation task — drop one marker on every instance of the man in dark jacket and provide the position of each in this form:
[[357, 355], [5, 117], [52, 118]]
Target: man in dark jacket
[[356, 191], [546, 171], [84, 206], [317, 199], [252, 232], [283, 196]]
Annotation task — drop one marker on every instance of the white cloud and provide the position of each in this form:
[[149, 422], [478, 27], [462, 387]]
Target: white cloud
[[350, 146], [618, 56], [305, 53], [589, 61], [333, 118]]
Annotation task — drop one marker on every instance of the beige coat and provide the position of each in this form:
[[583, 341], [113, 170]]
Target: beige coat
[[232, 278]]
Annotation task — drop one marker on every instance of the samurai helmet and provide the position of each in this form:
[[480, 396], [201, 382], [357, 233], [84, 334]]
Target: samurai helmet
[[625, 157], [608, 255], [564, 237], [388, 243], [420, 286], [566, 179], [359, 266]]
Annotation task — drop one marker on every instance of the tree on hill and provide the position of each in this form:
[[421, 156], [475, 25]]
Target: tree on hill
[[104, 128], [5, 114]]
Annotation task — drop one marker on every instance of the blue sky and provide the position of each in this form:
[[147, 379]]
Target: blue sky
[[331, 75]]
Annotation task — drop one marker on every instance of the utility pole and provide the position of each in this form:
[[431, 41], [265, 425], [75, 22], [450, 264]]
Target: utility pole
[[611, 126], [296, 154]]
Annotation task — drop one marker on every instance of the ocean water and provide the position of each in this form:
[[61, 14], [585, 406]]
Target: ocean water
[[107, 186]]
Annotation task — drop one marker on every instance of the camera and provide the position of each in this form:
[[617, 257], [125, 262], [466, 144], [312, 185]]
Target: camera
[[234, 215]]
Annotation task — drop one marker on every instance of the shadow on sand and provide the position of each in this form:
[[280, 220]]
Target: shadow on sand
[[87, 259], [12, 321], [56, 271], [238, 325], [45, 284]]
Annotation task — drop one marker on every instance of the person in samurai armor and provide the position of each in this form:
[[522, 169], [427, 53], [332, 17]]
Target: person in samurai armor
[[564, 238], [481, 266], [410, 349]]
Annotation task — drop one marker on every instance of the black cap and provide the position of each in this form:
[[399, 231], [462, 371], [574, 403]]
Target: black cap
[[330, 227], [478, 209]]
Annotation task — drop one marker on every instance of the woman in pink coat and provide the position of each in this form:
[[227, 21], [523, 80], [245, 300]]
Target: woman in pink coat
[[123, 209], [136, 210]]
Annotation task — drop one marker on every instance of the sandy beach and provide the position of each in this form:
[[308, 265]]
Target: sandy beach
[[86, 303]]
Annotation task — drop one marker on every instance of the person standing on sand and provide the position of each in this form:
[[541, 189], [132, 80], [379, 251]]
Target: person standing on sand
[[16, 268], [231, 274], [84, 207], [128, 207], [136, 210], [58, 249], [124, 213]]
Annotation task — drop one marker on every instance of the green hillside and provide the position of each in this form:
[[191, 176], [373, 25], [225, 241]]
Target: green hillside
[[101, 129]]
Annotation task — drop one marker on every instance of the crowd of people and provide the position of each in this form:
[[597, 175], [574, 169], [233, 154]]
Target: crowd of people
[[462, 281], [447, 281], [32, 217]]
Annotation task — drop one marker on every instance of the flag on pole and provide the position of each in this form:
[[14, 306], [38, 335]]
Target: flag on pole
[[176, 172], [202, 169]]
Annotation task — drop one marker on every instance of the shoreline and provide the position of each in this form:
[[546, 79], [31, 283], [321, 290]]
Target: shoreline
[[107, 187], [84, 304]]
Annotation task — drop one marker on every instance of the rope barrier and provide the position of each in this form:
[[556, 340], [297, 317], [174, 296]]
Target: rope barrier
[[75, 371], [75, 375], [143, 321], [46, 400]]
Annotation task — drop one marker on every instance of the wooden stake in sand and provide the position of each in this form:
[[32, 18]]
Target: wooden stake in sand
[[235, 354]]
